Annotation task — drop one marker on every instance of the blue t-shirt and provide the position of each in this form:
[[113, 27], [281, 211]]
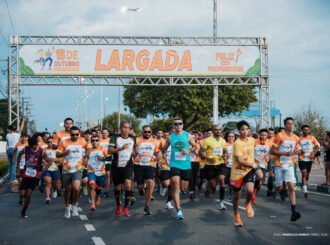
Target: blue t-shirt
[[178, 144]]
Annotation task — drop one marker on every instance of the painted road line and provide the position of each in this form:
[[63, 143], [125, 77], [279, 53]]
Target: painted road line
[[83, 217], [98, 240], [273, 216], [89, 227], [79, 209], [317, 193], [308, 227]]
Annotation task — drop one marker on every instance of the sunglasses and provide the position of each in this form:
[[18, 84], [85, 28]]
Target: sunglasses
[[95, 140], [178, 124], [147, 132], [49, 142], [74, 134]]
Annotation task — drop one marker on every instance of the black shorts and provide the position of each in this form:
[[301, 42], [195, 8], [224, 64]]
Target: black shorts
[[228, 171], [305, 165], [108, 167], [84, 174], [29, 183], [142, 173], [184, 174], [119, 174], [237, 184], [212, 171], [165, 175], [318, 154], [202, 173]]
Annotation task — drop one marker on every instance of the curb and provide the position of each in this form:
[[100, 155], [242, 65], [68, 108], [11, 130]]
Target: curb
[[319, 188], [4, 178]]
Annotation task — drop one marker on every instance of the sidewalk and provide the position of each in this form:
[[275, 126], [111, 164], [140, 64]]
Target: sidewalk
[[316, 179]]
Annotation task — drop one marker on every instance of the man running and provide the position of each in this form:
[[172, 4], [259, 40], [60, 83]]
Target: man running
[[261, 156], [122, 147], [285, 146], [96, 170], [104, 142], [145, 162], [213, 150], [179, 141], [72, 151], [160, 142], [242, 171], [309, 147], [33, 170]]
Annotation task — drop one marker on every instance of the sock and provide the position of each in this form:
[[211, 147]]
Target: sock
[[117, 194], [305, 188], [222, 193], [169, 198], [127, 197], [293, 208], [141, 192], [92, 201], [270, 184]]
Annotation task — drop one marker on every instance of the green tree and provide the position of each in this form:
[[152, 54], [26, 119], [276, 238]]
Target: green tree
[[111, 122], [193, 104], [311, 116]]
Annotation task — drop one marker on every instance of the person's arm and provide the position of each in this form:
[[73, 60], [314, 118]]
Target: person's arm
[[202, 153], [22, 126], [113, 150], [192, 143], [14, 154], [63, 154], [243, 161], [167, 144], [20, 154]]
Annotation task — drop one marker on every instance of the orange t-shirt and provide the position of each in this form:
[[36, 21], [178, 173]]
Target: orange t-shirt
[[285, 143], [307, 144], [261, 151], [146, 149], [95, 165], [73, 161]]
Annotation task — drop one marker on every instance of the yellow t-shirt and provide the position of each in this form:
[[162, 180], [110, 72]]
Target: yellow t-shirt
[[214, 149], [243, 149]]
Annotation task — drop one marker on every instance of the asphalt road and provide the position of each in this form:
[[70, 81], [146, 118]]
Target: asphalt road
[[203, 224]]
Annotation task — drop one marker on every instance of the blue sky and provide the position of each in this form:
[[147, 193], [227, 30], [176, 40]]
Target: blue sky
[[298, 33]]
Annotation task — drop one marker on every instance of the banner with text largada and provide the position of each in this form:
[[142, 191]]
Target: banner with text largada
[[138, 60]]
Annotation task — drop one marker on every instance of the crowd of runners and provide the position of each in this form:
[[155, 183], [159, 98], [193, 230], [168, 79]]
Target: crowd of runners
[[174, 162]]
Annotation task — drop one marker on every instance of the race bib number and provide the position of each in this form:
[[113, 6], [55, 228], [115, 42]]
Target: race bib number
[[145, 161], [31, 172], [285, 159], [107, 162], [217, 151], [179, 156], [168, 157], [123, 158]]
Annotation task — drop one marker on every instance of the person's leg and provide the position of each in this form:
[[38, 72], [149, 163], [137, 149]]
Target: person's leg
[[175, 186], [150, 188], [48, 183], [28, 194], [92, 191], [236, 197], [76, 185], [12, 166]]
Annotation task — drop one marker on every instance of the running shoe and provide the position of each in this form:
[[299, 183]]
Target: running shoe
[[147, 211], [192, 196], [152, 198], [179, 215], [132, 200], [222, 206], [168, 205], [237, 221], [74, 211], [118, 211], [23, 213], [297, 188], [207, 194], [97, 200], [54, 193], [306, 194], [92, 207], [295, 216], [253, 200], [67, 212], [126, 212], [162, 191], [249, 210], [20, 202], [47, 200]]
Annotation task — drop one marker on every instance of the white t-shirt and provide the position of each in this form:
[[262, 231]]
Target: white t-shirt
[[12, 139]]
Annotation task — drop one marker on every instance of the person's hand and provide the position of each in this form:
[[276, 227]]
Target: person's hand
[[101, 158], [185, 152], [125, 146], [212, 160], [138, 157], [18, 173], [311, 156], [288, 153], [38, 176], [67, 152]]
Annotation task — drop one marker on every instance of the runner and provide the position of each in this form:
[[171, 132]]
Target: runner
[[84, 178], [165, 176], [104, 142], [230, 138], [52, 175], [309, 147], [242, 171], [261, 157], [160, 142], [195, 162], [122, 147], [96, 171], [72, 151], [285, 147], [145, 162], [270, 166], [326, 145], [213, 149], [18, 148], [32, 172], [180, 161]]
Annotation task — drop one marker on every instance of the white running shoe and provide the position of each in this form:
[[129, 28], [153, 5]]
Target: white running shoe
[[74, 211], [162, 191], [168, 205], [67, 212], [54, 194], [222, 206]]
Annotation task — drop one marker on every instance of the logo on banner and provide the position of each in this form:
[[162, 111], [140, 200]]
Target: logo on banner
[[227, 62]]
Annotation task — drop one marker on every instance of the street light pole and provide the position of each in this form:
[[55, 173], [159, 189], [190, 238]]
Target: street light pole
[[215, 88]]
